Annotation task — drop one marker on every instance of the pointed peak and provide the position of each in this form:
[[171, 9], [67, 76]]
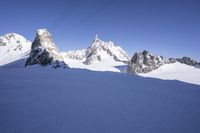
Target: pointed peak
[[145, 52], [42, 31], [96, 37]]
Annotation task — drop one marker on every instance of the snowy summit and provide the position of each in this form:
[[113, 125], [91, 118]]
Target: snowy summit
[[99, 56]]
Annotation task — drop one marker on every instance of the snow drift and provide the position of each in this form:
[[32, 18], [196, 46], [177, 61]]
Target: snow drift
[[43, 100]]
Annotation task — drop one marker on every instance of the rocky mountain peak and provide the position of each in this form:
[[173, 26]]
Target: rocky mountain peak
[[98, 51], [99, 48], [96, 37], [44, 51], [143, 62], [97, 43], [44, 40], [13, 47], [187, 61]]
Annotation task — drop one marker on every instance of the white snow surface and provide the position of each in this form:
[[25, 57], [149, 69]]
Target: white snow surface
[[42, 31], [176, 71], [44, 100], [75, 54], [105, 65], [13, 47]]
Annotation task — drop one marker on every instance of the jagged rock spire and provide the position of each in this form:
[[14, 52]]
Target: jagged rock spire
[[44, 51], [143, 62]]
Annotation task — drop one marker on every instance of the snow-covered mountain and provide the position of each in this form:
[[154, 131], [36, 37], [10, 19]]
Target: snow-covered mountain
[[13, 47], [149, 65], [187, 61], [97, 52], [37, 99], [100, 50], [42, 100], [44, 51], [144, 62], [176, 71], [100, 56]]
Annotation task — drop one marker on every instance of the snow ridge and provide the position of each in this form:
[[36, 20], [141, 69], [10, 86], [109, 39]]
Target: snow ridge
[[13, 47]]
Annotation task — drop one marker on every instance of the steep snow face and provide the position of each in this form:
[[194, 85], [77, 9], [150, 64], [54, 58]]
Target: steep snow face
[[13, 47], [144, 62], [176, 71], [44, 51], [99, 49], [42, 100]]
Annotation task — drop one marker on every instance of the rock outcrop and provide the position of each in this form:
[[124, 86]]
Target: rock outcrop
[[144, 62], [188, 61], [44, 51]]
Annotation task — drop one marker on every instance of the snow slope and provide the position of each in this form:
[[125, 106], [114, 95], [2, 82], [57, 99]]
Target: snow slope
[[176, 71], [107, 63], [13, 47], [44, 100]]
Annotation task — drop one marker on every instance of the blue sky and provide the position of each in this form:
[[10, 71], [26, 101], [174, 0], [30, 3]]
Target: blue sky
[[167, 27]]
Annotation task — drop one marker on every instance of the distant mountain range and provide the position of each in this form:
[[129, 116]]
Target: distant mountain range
[[99, 56]]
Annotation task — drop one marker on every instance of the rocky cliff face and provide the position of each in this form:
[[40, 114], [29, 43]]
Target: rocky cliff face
[[144, 62], [44, 51]]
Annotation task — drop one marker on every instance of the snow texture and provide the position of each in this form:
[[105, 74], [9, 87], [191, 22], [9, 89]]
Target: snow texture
[[13, 47], [43, 100], [176, 71]]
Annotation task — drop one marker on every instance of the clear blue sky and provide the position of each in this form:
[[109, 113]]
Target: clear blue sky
[[167, 27]]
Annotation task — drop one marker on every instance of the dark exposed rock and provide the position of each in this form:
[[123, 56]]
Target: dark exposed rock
[[188, 61], [44, 51], [144, 62], [39, 56]]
